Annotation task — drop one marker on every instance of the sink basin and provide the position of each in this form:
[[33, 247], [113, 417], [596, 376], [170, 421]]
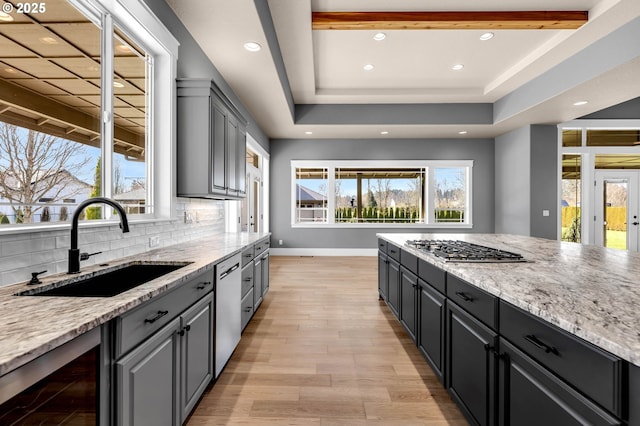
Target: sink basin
[[108, 282]]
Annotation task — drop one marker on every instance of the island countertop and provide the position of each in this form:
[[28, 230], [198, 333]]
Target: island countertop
[[32, 326], [589, 291]]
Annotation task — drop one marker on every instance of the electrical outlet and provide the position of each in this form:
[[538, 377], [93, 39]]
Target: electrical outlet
[[188, 217], [154, 241], [280, 242]]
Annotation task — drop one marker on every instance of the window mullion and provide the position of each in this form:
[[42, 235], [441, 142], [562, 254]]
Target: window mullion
[[107, 108], [331, 194]]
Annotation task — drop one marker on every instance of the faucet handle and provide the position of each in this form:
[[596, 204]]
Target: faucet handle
[[85, 256], [34, 277]]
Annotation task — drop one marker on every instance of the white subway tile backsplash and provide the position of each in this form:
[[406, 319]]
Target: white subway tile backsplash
[[24, 253]]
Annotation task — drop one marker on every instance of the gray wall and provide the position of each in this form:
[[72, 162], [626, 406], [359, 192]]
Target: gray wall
[[285, 150], [629, 110], [512, 182], [194, 63], [526, 173]]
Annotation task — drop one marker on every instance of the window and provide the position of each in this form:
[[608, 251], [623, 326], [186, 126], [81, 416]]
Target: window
[[75, 110], [381, 193]]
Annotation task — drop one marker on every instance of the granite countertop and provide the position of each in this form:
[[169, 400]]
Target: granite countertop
[[589, 291], [31, 326]]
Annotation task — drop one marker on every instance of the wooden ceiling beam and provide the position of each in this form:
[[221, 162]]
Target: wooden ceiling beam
[[514, 20]]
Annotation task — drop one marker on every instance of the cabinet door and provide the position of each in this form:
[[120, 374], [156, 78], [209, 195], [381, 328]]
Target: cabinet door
[[530, 395], [265, 274], [241, 159], [232, 152], [257, 283], [471, 365], [383, 275], [431, 327], [147, 381], [393, 279], [218, 149], [408, 301], [196, 352]]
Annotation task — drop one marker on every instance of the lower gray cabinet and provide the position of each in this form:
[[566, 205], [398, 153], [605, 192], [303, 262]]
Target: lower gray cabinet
[[160, 381], [147, 381], [383, 275], [257, 283], [197, 354], [530, 395], [393, 282], [265, 273], [408, 301], [431, 329], [471, 365], [247, 308]]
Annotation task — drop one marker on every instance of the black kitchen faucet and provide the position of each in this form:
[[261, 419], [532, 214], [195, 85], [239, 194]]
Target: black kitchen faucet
[[74, 253]]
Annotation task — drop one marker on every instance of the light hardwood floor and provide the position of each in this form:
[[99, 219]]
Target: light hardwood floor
[[322, 350]]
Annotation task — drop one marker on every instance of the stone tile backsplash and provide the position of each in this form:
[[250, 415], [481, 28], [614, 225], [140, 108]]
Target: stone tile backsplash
[[23, 253]]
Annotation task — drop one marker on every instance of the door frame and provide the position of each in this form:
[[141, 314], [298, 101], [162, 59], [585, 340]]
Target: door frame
[[632, 176]]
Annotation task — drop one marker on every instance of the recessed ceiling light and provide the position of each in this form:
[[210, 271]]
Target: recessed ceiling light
[[379, 36], [462, 132], [5, 17], [48, 40], [123, 48], [118, 84], [308, 133], [384, 132], [579, 103], [486, 36], [10, 70], [252, 46], [368, 67], [457, 67]]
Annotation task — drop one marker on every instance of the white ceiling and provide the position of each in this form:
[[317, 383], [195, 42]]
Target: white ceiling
[[411, 66]]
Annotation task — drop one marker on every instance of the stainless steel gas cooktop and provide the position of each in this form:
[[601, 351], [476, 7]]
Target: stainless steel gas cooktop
[[462, 251]]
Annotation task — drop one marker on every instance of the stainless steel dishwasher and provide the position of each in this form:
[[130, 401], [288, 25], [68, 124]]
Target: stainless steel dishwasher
[[228, 309]]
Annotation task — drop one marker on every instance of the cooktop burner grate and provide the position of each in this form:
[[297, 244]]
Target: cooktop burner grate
[[462, 251]]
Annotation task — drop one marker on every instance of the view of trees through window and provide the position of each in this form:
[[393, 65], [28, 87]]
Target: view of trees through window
[[52, 136], [381, 194]]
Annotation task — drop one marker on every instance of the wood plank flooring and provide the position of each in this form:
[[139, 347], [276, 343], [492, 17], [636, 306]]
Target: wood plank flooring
[[323, 350]]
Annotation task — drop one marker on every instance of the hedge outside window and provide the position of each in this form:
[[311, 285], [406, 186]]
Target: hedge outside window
[[381, 193]]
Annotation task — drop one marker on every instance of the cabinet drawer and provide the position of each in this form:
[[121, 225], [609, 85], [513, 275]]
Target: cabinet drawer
[[247, 308], [135, 326], [476, 301], [382, 245], [393, 252], [591, 370], [247, 254], [409, 261], [247, 278], [433, 275], [261, 246]]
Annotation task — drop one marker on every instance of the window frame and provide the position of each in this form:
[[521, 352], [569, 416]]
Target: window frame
[[138, 22], [428, 221]]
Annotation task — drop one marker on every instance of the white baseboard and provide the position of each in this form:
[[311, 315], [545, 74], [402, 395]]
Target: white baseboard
[[322, 252]]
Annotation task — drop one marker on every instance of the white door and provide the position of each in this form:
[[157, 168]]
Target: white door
[[251, 210], [616, 209]]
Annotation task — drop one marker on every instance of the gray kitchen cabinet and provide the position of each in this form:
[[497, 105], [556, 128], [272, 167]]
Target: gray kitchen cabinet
[[633, 414], [393, 281], [197, 354], [147, 381], [265, 273], [383, 275], [530, 395], [211, 143], [408, 301], [471, 365], [165, 355], [431, 327], [257, 282], [247, 308]]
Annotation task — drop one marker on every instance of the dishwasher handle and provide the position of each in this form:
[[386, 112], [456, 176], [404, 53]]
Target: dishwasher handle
[[230, 270]]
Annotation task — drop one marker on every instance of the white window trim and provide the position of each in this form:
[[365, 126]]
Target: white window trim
[[429, 165], [136, 19]]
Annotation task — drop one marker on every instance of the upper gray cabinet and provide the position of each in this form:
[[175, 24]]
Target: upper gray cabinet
[[211, 142]]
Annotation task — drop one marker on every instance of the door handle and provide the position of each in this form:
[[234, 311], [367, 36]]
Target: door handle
[[635, 223]]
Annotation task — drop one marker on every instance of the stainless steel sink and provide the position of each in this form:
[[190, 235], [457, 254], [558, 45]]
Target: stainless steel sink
[[108, 282]]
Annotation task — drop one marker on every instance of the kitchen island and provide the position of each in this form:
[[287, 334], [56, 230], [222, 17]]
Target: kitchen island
[[561, 290], [34, 327]]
